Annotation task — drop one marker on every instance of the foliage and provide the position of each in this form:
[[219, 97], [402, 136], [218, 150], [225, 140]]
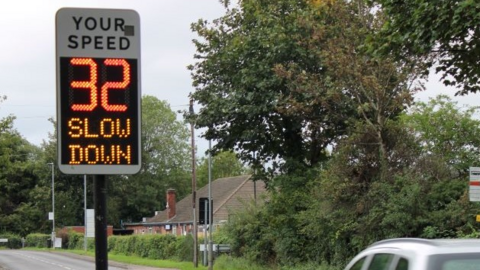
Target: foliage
[[159, 247], [224, 164], [75, 241], [445, 30], [249, 104], [20, 196], [446, 131], [422, 195], [37, 240], [14, 241], [68, 189], [183, 248], [320, 88], [249, 235]]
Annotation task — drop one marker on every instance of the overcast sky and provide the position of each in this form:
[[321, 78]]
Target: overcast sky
[[27, 56], [27, 53]]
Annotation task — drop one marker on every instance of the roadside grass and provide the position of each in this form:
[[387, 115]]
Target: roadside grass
[[154, 263], [133, 259], [229, 263], [221, 263]]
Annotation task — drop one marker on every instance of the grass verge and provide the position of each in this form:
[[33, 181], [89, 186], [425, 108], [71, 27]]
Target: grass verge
[[134, 260]]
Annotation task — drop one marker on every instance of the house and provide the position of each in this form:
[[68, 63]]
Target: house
[[228, 194]]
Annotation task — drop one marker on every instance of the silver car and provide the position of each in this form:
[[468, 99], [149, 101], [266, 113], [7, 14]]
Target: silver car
[[419, 254]]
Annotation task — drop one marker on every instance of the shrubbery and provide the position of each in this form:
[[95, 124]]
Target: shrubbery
[[158, 247], [38, 240], [14, 241]]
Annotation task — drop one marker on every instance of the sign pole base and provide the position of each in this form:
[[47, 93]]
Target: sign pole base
[[100, 204]]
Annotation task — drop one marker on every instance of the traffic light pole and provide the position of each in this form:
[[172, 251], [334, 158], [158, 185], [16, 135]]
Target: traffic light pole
[[100, 204]]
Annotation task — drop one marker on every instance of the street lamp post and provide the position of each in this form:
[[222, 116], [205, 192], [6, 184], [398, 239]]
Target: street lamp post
[[194, 187], [53, 205]]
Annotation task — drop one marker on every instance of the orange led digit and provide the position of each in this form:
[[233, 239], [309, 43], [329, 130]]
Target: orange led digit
[[115, 85], [90, 84]]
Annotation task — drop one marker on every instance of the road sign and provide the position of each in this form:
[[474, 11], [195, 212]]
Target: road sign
[[90, 226], [474, 191], [98, 91], [204, 211]]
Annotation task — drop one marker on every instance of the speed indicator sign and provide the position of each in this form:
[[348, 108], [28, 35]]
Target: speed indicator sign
[[98, 91]]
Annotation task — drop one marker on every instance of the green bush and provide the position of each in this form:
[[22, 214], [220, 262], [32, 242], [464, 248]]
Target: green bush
[[160, 247], [14, 241], [157, 247], [38, 240], [183, 248]]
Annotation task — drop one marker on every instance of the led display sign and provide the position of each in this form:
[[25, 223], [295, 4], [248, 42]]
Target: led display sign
[[98, 91]]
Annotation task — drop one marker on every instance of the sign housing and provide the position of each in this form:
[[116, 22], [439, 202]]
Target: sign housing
[[474, 190], [98, 91]]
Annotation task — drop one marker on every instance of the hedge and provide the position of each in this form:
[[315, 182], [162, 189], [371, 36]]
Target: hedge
[[38, 240], [14, 241], [158, 247]]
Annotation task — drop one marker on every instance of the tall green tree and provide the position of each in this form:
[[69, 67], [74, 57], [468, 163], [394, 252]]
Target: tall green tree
[[223, 164], [444, 33], [348, 87], [248, 102], [21, 196], [423, 195], [447, 131]]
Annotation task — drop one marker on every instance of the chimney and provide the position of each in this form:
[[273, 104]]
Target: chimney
[[171, 201]]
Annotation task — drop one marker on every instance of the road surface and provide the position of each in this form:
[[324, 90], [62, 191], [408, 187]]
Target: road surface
[[38, 260]]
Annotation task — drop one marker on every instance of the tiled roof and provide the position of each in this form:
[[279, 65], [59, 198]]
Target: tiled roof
[[227, 193]]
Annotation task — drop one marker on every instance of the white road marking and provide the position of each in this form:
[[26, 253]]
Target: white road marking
[[45, 261]]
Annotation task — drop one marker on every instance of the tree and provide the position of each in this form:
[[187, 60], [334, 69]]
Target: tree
[[224, 164], [444, 33], [249, 106], [69, 198], [21, 201], [424, 193], [447, 131], [307, 63], [376, 90]]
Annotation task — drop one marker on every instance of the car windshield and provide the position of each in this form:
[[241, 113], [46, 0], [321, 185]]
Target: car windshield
[[464, 261]]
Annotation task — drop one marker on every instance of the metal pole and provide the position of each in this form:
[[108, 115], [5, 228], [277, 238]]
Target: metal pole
[[100, 190], [53, 204], [194, 189], [210, 206], [85, 212], [205, 235], [254, 180]]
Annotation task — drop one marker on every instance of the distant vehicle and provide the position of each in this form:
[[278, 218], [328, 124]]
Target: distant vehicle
[[419, 254]]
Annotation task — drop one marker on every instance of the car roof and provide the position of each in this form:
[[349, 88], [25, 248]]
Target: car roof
[[429, 245]]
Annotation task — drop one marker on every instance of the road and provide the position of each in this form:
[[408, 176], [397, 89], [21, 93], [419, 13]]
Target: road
[[37, 260]]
